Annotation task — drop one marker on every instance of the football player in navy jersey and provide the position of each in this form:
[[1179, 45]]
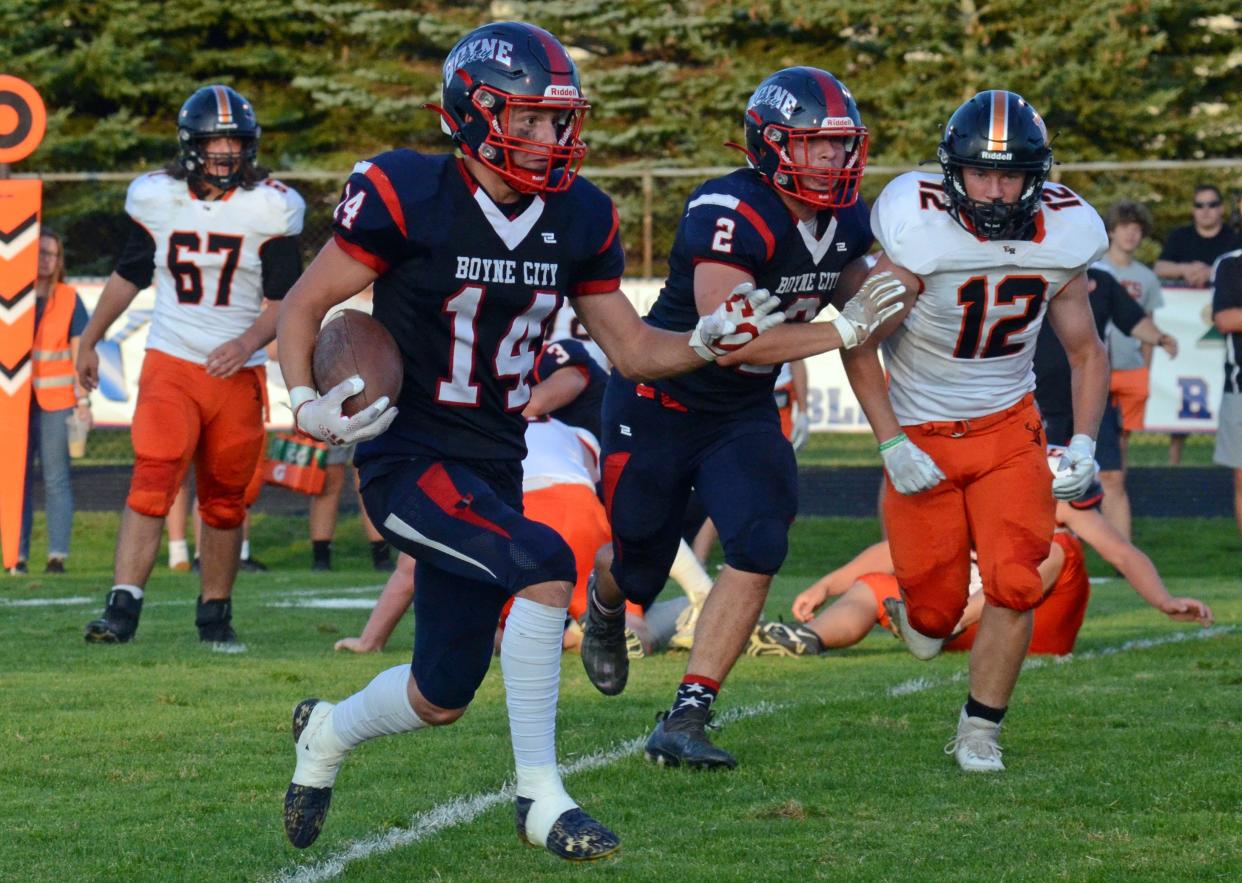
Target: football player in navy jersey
[[469, 257], [790, 222], [569, 385]]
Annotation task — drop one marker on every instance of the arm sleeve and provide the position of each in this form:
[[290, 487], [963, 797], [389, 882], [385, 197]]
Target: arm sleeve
[[137, 261], [77, 324], [282, 265], [562, 354], [725, 230], [1227, 290]]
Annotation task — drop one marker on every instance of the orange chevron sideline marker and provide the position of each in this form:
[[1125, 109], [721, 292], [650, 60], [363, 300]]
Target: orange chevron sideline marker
[[23, 120]]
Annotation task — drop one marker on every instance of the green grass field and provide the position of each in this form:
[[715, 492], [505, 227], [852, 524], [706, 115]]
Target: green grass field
[[163, 760]]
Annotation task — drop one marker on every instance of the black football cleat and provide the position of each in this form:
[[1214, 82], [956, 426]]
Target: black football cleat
[[575, 837], [215, 621], [252, 565], [119, 621], [604, 650], [682, 740], [306, 805]]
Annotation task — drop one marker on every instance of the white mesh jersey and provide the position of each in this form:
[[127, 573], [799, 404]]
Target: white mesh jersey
[[557, 453], [208, 270], [966, 347]]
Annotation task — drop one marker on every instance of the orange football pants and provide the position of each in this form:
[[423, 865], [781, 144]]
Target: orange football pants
[[996, 497], [1059, 616], [184, 414]]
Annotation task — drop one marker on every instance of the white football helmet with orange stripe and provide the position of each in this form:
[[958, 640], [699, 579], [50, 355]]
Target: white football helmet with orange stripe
[[995, 130]]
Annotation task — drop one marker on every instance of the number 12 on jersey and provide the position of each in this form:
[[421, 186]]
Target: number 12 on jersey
[[515, 355], [973, 298]]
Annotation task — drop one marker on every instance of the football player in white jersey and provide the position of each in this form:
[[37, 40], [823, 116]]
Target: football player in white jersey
[[984, 252], [219, 239]]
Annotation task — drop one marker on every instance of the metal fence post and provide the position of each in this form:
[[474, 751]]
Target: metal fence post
[[648, 209]]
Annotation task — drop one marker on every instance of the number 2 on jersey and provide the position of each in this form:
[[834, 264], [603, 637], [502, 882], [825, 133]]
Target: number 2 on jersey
[[515, 355], [972, 296]]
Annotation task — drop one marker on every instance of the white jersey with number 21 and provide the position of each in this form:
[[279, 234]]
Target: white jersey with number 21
[[966, 348]]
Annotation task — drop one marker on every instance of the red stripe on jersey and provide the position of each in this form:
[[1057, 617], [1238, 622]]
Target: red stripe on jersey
[[388, 194], [1039, 227], [760, 225], [612, 232], [614, 465], [361, 255], [834, 101], [596, 286], [438, 485]]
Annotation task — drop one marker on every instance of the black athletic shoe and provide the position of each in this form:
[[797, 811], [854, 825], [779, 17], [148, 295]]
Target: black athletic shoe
[[19, 569], [682, 739], [306, 806], [252, 565], [119, 620], [779, 639], [575, 836], [605, 655], [55, 565], [215, 621], [321, 564]]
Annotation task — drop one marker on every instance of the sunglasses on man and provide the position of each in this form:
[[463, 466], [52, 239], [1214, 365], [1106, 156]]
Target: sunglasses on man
[[1212, 203]]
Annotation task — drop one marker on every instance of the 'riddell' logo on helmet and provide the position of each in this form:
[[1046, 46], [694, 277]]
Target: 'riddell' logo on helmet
[[775, 96], [993, 154], [479, 50], [560, 92]]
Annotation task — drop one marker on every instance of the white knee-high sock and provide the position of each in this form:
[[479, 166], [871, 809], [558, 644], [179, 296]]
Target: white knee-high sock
[[688, 573], [381, 708], [530, 659]]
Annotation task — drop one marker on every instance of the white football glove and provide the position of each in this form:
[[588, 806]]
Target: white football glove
[[1076, 470], [320, 416], [800, 433], [745, 314], [878, 298], [909, 467]]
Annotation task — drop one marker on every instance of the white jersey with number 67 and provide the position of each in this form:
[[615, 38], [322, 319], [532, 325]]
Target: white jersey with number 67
[[966, 347], [208, 265]]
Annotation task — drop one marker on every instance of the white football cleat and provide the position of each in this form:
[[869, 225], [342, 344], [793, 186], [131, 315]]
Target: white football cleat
[[920, 645], [975, 746], [687, 620]]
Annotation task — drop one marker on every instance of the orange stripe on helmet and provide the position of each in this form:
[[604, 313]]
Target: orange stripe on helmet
[[224, 110], [998, 135]]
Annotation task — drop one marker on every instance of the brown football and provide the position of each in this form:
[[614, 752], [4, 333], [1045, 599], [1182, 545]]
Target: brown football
[[354, 343]]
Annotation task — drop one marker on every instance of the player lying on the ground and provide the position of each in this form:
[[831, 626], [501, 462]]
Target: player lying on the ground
[[866, 590]]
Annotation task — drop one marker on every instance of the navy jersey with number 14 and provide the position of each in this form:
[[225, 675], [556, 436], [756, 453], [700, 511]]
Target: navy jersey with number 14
[[468, 292]]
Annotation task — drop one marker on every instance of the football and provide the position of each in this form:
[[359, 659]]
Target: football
[[350, 343]]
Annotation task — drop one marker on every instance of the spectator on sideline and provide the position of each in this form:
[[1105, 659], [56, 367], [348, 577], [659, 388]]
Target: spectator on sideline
[[60, 318], [324, 507], [1227, 316], [1128, 223], [1188, 255]]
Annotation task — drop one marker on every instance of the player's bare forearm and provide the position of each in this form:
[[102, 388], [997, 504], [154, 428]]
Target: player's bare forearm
[[1089, 371], [785, 343], [1096, 531], [866, 376], [636, 349], [263, 331], [118, 293], [801, 380], [332, 277], [557, 390], [1228, 321]]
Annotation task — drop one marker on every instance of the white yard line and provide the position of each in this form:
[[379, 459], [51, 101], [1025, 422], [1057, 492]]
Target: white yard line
[[464, 810], [919, 685]]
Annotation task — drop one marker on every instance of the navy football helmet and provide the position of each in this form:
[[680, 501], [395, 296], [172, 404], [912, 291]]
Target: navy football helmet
[[217, 112], [788, 110], [995, 130], [493, 74]]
